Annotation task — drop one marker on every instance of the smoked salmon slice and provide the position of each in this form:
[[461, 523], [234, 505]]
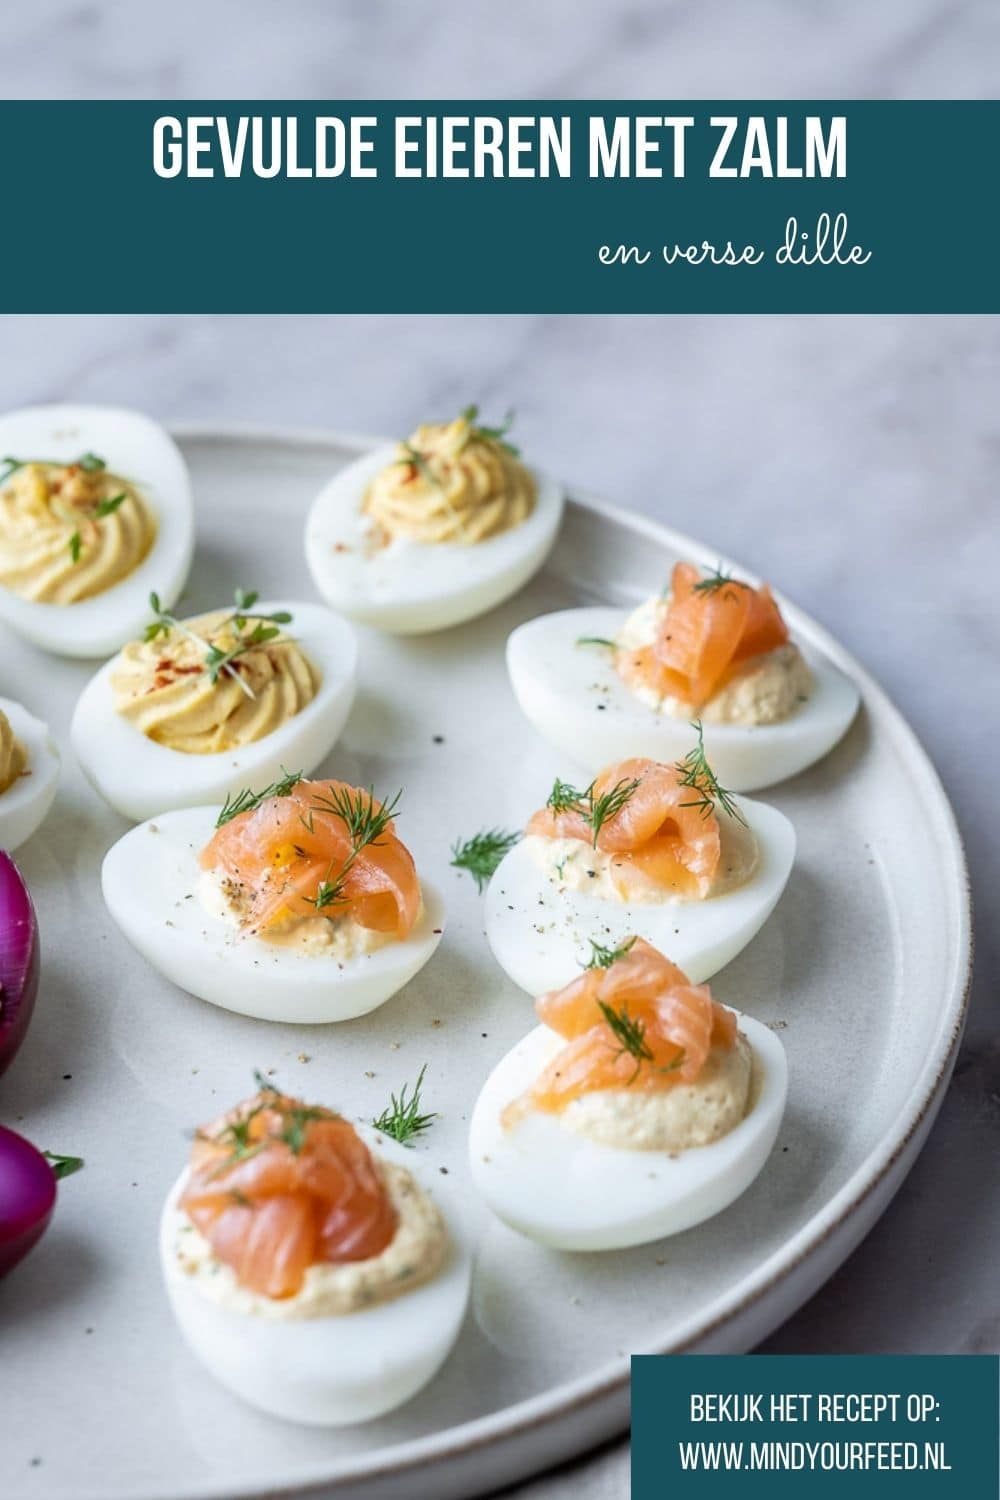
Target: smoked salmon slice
[[277, 1186], [631, 1020], [658, 824], [323, 848], [711, 626]]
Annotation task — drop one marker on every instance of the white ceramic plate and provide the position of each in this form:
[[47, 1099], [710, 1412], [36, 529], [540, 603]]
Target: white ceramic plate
[[863, 967]]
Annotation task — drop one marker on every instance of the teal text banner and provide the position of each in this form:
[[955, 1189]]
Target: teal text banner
[[489, 206], [719, 1427]]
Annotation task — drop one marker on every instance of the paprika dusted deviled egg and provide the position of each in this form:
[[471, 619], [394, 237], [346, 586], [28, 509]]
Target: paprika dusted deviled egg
[[639, 1108], [95, 511], [198, 708], [295, 903], [599, 686], [432, 531], [308, 1264], [29, 774], [660, 850]]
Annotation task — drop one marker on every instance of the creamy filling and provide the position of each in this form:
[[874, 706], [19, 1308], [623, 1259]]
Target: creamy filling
[[13, 755], [66, 535], [450, 483], [414, 1255], [762, 690], [163, 688], [676, 1118], [336, 936], [573, 865]]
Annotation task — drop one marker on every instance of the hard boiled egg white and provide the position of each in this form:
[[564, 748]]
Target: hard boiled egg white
[[540, 933], [575, 698], [141, 451], [139, 777], [408, 587], [150, 880], [556, 1186], [330, 1371], [27, 800]]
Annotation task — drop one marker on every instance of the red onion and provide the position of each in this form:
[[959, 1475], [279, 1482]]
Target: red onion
[[18, 959], [27, 1194]]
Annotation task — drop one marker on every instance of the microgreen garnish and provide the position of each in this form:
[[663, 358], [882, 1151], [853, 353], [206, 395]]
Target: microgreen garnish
[[595, 809], [88, 462], [63, 1166], [75, 546], [249, 801], [629, 1034], [695, 772], [416, 460], [716, 581], [491, 434], [603, 958], [596, 640], [109, 506], [266, 628], [481, 854], [402, 1119]]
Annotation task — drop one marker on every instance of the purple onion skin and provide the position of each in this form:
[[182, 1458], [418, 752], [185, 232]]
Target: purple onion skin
[[18, 960], [27, 1197]]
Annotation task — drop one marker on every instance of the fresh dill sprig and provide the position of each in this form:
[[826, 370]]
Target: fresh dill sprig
[[366, 820], [488, 434], [609, 803], [249, 801], [695, 772], [629, 1033], [717, 581], [481, 854], [565, 798], [596, 640], [295, 1123], [63, 1166], [416, 460], [402, 1119], [264, 1084], [75, 547], [331, 892], [603, 958], [595, 808]]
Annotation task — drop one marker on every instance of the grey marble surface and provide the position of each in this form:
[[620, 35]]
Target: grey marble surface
[[854, 461]]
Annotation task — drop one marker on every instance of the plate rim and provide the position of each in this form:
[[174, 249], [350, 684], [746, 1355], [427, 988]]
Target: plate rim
[[571, 1399]]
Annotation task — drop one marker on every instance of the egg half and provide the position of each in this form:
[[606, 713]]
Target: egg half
[[329, 1371], [139, 450], [577, 701], [408, 587], [140, 777], [558, 1187], [540, 932], [151, 880], [25, 803]]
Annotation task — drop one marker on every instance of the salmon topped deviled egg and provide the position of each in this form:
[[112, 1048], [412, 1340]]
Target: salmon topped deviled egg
[[434, 530], [660, 850], [95, 510], [598, 685], [308, 1265], [199, 707], [298, 902], [637, 1109]]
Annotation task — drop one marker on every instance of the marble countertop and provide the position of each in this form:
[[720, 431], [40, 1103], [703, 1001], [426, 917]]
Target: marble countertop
[[853, 461]]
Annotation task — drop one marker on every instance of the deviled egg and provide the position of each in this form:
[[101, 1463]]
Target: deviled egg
[[295, 903], [29, 773], [198, 708], [660, 850], [599, 686], [639, 1108], [308, 1265], [95, 511], [432, 531]]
